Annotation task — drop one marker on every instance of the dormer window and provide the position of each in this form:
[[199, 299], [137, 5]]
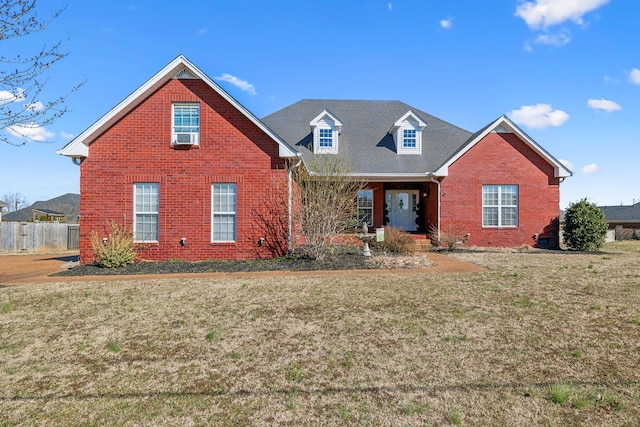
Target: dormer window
[[407, 133], [408, 138], [325, 129], [326, 138]]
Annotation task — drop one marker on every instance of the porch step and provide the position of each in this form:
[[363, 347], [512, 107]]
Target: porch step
[[421, 245]]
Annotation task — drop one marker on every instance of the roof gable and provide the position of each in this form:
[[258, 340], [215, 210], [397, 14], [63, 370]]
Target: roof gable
[[501, 125], [408, 116], [326, 113], [181, 68]]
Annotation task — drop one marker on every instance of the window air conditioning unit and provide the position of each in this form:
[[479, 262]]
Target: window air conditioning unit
[[185, 139]]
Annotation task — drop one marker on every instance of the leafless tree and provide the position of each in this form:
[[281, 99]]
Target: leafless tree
[[16, 200], [328, 201], [23, 75]]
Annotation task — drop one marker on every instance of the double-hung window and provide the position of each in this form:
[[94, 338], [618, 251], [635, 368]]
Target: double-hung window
[[499, 205], [224, 203], [365, 207], [326, 138], [186, 124], [146, 197], [409, 138]]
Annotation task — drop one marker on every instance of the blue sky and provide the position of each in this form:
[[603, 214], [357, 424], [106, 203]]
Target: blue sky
[[567, 71]]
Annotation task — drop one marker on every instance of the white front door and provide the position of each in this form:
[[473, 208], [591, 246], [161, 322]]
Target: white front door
[[402, 206]]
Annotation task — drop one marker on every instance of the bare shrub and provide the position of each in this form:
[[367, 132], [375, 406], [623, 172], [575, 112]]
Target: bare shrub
[[396, 241], [328, 194], [624, 234], [117, 250], [450, 238]]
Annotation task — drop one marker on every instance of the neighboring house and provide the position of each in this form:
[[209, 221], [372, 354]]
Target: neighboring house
[[4, 207], [496, 186], [65, 208], [624, 219], [195, 174]]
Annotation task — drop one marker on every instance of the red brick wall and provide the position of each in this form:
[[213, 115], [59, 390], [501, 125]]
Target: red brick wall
[[138, 149], [501, 159]]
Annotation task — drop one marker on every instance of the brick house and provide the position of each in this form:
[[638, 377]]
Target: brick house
[[497, 186], [192, 171]]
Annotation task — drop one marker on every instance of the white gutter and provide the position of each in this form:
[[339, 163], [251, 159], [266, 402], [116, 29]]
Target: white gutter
[[431, 179], [290, 168]]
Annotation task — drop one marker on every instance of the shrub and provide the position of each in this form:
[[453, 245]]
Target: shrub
[[450, 239], [396, 241], [117, 250], [585, 226], [624, 234]]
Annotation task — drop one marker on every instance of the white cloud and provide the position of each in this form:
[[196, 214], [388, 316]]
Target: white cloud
[[566, 163], [539, 116], [390, 6], [66, 135], [202, 31], [446, 23], [634, 76], [547, 13], [30, 131], [604, 104], [590, 168], [34, 106], [559, 39], [242, 84], [8, 96]]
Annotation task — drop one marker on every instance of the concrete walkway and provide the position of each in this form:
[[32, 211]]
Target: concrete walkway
[[20, 269]]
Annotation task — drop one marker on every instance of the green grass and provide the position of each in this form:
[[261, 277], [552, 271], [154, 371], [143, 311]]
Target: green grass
[[454, 418], [560, 393], [113, 347], [213, 334], [6, 308]]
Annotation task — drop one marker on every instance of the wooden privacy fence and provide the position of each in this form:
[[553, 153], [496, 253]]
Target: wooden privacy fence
[[38, 236]]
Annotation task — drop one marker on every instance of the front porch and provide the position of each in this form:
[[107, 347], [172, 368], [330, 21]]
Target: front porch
[[408, 206]]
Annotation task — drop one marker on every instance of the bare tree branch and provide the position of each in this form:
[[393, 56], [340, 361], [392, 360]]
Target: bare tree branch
[[22, 80]]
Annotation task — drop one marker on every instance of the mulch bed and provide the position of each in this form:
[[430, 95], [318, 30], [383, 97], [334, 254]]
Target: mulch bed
[[342, 258]]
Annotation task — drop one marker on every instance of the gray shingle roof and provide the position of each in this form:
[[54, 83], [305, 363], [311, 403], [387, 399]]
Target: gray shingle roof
[[622, 213], [366, 139], [67, 204]]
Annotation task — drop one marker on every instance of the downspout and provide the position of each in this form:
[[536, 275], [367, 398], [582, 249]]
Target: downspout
[[290, 168], [431, 179]]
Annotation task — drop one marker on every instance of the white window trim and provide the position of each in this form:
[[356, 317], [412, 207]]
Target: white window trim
[[367, 208], [195, 136], [500, 206], [234, 213], [136, 213]]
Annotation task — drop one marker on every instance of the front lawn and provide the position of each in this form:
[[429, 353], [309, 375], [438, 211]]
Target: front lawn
[[540, 339]]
